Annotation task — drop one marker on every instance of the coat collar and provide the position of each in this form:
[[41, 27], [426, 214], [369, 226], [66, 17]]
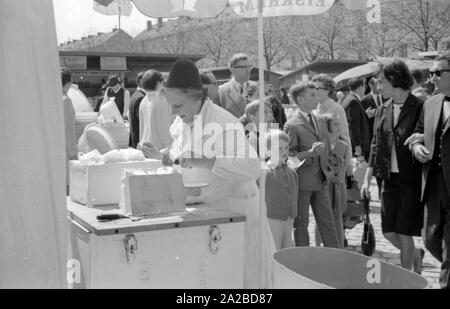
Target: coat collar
[[305, 122]]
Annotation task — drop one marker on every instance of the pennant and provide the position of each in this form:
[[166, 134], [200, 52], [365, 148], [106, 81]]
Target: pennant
[[115, 7]]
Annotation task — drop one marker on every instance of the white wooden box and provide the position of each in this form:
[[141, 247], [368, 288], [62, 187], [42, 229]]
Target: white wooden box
[[168, 252], [96, 185]]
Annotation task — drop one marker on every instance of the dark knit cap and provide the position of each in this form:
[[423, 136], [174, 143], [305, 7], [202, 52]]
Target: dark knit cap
[[184, 74]]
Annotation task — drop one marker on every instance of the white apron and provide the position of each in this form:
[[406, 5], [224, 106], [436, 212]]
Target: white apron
[[232, 186]]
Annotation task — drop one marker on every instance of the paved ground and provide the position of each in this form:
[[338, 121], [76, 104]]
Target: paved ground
[[384, 249]]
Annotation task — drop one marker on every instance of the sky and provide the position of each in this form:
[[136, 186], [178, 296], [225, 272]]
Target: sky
[[76, 18]]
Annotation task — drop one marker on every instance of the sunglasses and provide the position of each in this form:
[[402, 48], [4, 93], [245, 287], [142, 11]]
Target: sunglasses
[[438, 72]]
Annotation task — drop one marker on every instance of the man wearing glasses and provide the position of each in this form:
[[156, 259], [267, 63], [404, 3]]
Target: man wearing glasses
[[431, 146], [232, 95]]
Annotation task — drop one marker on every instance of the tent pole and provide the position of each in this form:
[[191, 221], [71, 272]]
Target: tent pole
[[262, 129]]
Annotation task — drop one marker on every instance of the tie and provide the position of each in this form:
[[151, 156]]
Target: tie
[[378, 100], [311, 122]]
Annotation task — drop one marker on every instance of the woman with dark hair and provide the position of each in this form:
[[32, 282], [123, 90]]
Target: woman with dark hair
[[395, 120]]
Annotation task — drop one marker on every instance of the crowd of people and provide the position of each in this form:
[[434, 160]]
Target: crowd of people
[[397, 128]]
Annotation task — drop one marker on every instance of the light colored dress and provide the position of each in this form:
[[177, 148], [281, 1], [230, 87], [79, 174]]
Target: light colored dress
[[232, 183]]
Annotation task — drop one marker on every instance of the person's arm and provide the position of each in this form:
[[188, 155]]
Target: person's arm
[[126, 108], [343, 125], [229, 164], [105, 97]]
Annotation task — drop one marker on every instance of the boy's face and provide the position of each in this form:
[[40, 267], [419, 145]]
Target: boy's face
[[281, 153], [308, 100]]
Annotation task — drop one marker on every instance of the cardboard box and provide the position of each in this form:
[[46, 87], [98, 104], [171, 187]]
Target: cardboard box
[[152, 194], [96, 185]]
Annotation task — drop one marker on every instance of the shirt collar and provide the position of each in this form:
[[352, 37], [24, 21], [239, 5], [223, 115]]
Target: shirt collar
[[357, 96], [305, 114]]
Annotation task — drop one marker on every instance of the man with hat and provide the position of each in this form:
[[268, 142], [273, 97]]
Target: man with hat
[[205, 137], [121, 95]]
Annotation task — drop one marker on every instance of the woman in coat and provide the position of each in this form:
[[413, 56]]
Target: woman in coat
[[395, 120]]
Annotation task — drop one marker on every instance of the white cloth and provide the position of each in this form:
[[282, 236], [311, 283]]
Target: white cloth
[[231, 185], [394, 163], [155, 120], [33, 224]]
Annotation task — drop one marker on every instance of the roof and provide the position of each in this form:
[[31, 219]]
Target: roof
[[331, 66], [115, 40], [194, 57]]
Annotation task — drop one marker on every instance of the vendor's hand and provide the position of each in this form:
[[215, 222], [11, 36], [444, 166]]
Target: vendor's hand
[[165, 157], [370, 112], [414, 139], [421, 153], [365, 193], [150, 151], [317, 149]]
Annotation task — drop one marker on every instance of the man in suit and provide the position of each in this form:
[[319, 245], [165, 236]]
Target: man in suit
[[432, 148], [309, 142], [357, 119], [135, 103], [232, 94], [370, 103]]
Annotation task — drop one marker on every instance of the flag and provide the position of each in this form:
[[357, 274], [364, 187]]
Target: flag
[[113, 7]]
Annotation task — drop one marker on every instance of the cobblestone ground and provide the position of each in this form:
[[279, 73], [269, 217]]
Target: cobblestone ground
[[385, 251]]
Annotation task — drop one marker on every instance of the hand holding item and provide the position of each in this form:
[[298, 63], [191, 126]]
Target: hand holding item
[[414, 139], [370, 112], [317, 149], [150, 151], [365, 193], [165, 157], [421, 153]]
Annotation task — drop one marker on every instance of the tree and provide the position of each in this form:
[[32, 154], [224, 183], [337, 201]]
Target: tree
[[427, 22]]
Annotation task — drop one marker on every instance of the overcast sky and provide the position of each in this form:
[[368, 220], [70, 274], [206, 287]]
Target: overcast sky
[[76, 18]]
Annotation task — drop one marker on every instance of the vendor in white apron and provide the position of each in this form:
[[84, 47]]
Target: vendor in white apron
[[204, 135]]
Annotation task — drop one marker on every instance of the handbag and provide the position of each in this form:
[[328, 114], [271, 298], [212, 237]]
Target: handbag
[[368, 240]]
